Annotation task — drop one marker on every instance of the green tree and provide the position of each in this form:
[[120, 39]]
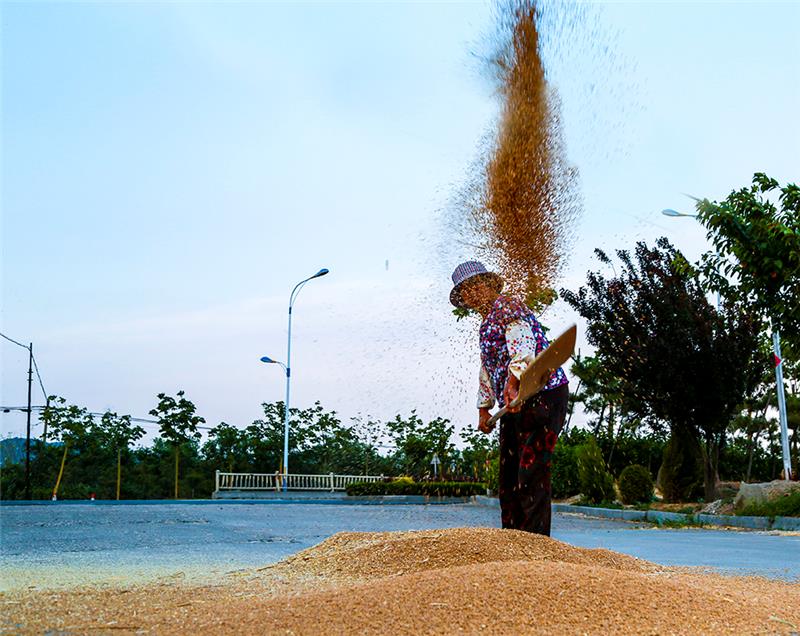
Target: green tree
[[68, 424], [177, 423], [756, 263], [477, 452], [417, 443], [599, 391], [369, 433], [678, 360], [226, 447], [757, 259], [119, 433]]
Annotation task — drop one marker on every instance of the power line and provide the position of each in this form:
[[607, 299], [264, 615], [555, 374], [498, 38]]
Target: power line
[[14, 341], [33, 357], [94, 414], [41, 384]]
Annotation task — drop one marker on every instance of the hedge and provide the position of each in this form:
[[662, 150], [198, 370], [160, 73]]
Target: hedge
[[426, 488]]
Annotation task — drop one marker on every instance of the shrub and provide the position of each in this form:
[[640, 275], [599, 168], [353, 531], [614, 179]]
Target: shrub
[[564, 476], [636, 484], [425, 488], [596, 482]]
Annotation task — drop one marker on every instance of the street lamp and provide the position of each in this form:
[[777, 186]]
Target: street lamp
[[288, 368], [776, 348], [674, 213], [670, 212]]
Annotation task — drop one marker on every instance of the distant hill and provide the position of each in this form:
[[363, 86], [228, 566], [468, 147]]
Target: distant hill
[[12, 450]]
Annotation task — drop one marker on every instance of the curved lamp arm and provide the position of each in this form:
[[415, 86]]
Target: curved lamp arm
[[296, 290]]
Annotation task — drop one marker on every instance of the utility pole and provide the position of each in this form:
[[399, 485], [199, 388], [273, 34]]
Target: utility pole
[[787, 456], [28, 436]]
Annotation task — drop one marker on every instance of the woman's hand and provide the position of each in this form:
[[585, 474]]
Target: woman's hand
[[483, 421], [511, 392]]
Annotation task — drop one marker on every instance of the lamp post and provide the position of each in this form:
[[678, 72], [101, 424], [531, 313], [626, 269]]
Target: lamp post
[[288, 368], [776, 348]]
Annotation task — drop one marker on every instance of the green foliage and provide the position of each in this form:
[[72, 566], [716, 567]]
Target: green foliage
[[476, 457], [66, 423], [118, 431], [598, 389], [425, 488], [493, 473], [657, 335], [564, 478], [596, 482], [786, 506], [176, 419], [418, 442], [636, 485], [756, 262]]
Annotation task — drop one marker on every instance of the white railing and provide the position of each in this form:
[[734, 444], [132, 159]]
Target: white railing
[[274, 481]]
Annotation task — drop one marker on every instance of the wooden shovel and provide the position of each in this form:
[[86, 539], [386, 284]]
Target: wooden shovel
[[540, 368]]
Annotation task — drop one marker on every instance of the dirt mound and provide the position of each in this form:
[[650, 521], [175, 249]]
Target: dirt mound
[[366, 555]]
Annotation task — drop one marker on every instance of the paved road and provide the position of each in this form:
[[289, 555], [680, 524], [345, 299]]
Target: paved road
[[63, 545]]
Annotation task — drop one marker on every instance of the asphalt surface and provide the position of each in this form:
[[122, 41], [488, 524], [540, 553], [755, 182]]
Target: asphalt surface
[[64, 545]]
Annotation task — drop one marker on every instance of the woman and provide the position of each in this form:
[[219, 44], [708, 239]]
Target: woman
[[528, 434]]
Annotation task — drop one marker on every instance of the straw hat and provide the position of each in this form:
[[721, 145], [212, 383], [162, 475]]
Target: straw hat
[[471, 270]]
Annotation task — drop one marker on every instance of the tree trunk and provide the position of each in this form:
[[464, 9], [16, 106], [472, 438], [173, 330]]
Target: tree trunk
[[119, 470], [572, 406], [710, 474], [775, 456], [751, 443], [177, 455], [61, 470], [600, 421]]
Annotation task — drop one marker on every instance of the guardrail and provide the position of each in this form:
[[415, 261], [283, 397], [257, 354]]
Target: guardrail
[[274, 481]]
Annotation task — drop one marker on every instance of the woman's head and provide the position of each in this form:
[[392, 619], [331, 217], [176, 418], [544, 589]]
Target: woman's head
[[479, 294], [474, 286]]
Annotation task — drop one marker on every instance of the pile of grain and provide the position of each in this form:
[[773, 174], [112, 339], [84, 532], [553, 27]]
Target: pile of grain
[[434, 582], [520, 206], [368, 555]]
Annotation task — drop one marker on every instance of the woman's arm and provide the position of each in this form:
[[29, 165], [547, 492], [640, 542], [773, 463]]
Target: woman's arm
[[485, 391], [521, 343], [485, 400]]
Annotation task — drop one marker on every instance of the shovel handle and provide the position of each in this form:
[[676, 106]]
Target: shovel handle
[[493, 420]]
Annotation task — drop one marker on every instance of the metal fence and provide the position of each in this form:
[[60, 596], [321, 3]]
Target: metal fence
[[274, 481]]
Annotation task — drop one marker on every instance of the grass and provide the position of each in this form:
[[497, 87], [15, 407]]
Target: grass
[[786, 506], [688, 522], [602, 504]]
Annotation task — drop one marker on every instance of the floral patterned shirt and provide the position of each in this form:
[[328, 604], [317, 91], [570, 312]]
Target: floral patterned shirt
[[508, 334]]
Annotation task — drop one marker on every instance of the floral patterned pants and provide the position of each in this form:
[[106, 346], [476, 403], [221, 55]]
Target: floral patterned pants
[[527, 440]]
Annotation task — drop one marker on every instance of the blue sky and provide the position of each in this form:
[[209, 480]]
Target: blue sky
[[170, 170]]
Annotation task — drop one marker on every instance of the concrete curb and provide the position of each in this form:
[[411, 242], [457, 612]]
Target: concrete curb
[[372, 500], [660, 516], [786, 523]]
